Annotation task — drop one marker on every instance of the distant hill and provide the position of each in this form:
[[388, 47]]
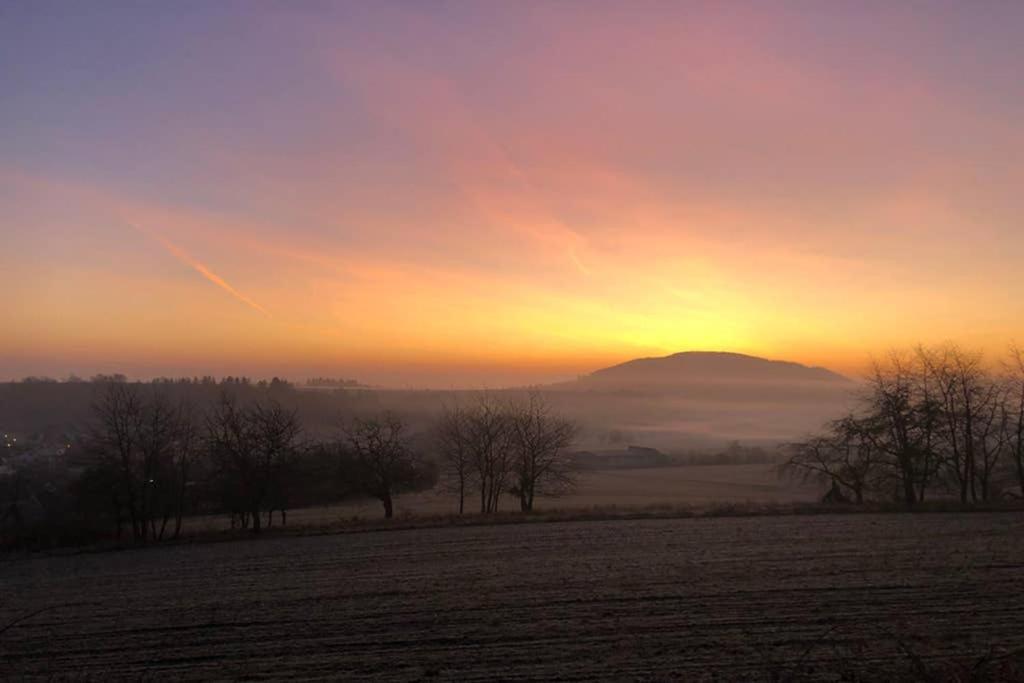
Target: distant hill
[[694, 400], [700, 367], [701, 399]]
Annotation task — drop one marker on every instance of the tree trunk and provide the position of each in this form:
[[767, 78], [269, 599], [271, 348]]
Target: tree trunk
[[256, 520], [389, 509], [909, 494], [1020, 474], [180, 510], [972, 477]]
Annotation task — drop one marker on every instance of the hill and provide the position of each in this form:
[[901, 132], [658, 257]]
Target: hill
[[710, 366], [694, 400], [703, 399]]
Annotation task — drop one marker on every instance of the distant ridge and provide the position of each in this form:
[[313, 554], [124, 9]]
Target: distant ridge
[[710, 366]]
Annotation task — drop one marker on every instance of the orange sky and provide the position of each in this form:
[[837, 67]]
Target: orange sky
[[481, 194]]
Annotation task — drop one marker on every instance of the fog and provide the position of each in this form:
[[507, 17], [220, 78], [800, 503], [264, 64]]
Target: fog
[[680, 402]]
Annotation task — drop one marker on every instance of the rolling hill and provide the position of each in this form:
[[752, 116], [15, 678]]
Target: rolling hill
[[714, 366], [699, 398]]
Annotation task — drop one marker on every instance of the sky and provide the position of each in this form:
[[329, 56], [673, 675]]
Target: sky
[[486, 193]]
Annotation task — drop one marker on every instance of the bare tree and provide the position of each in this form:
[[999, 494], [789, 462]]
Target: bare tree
[[845, 455], [231, 445], [114, 437], [938, 416], [968, 405], [277, 438], [488, 435], [452, 437], [161, 428], [253, 450], [1014, 411], [145, 442], [539, 441], [901, 421], [993, 438], [186, 451], [384, 462]]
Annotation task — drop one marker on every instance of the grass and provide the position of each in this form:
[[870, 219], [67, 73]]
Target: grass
[[835, 655], [597, 513]]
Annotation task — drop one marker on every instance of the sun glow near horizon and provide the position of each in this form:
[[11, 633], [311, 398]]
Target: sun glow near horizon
[[634, 184]]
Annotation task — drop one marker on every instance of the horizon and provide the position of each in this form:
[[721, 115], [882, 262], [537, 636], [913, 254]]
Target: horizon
[[302, 379], [408, 196]]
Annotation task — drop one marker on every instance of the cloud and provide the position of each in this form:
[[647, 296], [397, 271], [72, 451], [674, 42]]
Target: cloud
[[201, 268]]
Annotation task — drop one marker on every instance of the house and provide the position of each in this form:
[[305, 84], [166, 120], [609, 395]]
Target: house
[[634, 457]]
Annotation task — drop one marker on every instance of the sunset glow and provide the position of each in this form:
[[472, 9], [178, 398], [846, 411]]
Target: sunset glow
[[445, 194]]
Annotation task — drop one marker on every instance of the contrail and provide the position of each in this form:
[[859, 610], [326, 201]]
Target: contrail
[[576, 260], [185, 258]]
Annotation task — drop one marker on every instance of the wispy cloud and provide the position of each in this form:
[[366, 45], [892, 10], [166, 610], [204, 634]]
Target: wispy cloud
[[201, 268]]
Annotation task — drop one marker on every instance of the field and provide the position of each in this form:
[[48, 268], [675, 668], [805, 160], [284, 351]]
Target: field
[[690, 485], [654, 599]]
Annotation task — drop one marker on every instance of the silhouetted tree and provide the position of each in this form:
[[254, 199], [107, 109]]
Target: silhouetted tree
[[539, 441], [488, 444], [97, 497], [1014, 409], [114, 438], [968, 405], [901, 423], [253, 449], [186, 448], [845, 456], [935, 418], [452, 435], [384, 463], [164, 442], [144, 442]]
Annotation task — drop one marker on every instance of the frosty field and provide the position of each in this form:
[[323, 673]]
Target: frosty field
[[651, 599], [671, 486]]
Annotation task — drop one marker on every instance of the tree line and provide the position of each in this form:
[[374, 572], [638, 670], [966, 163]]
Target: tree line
[[205, 380], [148, 460], [492, 448], [932, 422], [248, 460]]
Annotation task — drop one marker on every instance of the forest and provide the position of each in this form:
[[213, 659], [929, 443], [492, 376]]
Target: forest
[[149, 456]]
